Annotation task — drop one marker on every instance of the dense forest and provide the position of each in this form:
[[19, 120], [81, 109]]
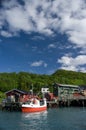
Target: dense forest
[[24, 80]]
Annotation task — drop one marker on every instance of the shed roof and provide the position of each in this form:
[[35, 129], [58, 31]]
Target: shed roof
[[67, 85], [83, 87], [20, 91]]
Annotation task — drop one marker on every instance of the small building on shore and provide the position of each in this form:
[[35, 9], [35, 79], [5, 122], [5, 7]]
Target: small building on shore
[[83, 89], [64, 91], [16, 95]]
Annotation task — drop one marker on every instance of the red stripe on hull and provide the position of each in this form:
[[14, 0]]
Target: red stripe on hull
[[26, 109]]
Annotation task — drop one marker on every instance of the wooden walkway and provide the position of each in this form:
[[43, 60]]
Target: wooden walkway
[[67, 102], [60, 102], [11, 106]]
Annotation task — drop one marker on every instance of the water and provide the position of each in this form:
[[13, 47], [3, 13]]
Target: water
[[52, 119]]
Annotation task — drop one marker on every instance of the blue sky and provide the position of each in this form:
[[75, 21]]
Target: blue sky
[[42, 36]]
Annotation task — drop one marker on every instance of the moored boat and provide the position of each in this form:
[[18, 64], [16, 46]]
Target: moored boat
[[34, 105]]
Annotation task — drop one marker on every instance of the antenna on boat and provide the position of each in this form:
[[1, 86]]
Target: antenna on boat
[[31, 90]]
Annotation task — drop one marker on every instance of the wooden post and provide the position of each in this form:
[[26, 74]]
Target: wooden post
[[83, 103]]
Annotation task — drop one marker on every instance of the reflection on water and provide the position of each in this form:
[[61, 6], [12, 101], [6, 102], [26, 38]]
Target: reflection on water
[[52, 119], [35, 115], [34, 121]]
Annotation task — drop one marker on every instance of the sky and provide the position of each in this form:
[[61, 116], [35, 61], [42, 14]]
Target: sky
[[42, 36]]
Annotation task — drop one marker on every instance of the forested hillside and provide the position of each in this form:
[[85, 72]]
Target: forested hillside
[[25, 81]]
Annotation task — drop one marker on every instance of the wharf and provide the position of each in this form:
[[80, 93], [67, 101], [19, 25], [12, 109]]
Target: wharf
[[68, 102], [10, 106]]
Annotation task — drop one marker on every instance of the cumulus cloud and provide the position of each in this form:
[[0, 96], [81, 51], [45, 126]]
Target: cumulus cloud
[[46, 17], [39, 63], [77, 64]]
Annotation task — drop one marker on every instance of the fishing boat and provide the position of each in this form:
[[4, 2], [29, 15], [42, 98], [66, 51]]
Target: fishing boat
[[34, 105]]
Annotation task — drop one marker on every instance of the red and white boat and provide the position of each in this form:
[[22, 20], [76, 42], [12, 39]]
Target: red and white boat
[[34, 105]]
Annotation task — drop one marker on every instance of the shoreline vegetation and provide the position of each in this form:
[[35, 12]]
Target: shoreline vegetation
[[25, 80], [2, 96]]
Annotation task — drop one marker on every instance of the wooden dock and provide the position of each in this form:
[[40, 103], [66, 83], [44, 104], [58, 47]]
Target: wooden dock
[[9, 106], [67, 102]]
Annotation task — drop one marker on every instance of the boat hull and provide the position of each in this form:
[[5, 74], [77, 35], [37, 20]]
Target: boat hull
[[30, 109]]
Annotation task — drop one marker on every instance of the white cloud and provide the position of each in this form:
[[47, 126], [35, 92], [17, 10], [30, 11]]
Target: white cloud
[[37, 38], [76, 64], [47, 17], [45, 65], [6, 34], [39, 63], [83, 51], [51, 46], [1, 19], [18, 19]]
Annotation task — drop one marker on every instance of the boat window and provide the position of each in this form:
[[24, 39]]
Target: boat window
[[42, 102]]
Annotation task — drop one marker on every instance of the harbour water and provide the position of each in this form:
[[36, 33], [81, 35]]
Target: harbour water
[[52, 119]]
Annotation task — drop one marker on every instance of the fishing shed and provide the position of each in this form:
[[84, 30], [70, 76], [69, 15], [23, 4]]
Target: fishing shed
[[65, 91], [83, 89], [16, 95]]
